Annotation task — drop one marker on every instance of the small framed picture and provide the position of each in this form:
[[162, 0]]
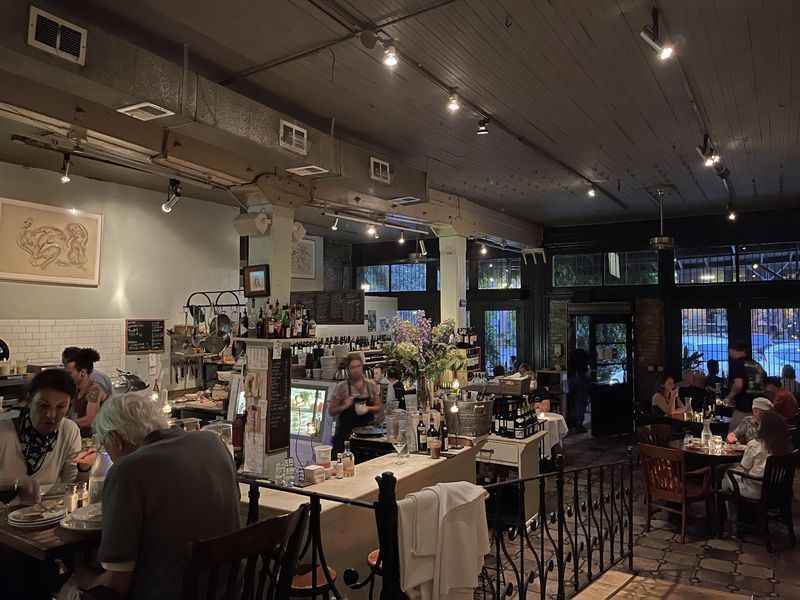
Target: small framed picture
[[256, 281]]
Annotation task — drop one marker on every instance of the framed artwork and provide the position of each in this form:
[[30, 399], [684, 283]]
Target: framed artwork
[[304, 259], [256, 281], [49, 244]]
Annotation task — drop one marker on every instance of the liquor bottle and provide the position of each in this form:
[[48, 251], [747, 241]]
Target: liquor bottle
[[312, 328], [285, 324], [422, 435], [276, 317], [445, 436], [299, 330], [260, 323], [244, 324], [496, 422], [348, 461], [519, 424]]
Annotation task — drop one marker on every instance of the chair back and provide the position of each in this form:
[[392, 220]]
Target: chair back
[[257, 562], [664, 470], [657, 434], [776, 486]]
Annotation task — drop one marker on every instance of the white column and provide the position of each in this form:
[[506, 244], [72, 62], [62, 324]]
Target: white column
[[275, 249], [453, 278]]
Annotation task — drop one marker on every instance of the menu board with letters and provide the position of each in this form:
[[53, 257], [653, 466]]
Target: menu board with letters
[[144, 335], [278, 417], [336, 307]]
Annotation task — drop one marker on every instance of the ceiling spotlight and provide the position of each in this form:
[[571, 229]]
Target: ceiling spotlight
[[755, 265], [390, 56], [174, 194], [65, 168], [402, 239], [452, 103], [591, 193], [335, 226], [650, 34], [73, 211], [422, 250], [483, 249], [365, 287], [371, 231], [482, 130], [731, 212]]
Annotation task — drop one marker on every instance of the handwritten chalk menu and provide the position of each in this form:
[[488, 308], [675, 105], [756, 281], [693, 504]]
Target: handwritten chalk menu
[[278, 418], [144, 335], [337, 307]]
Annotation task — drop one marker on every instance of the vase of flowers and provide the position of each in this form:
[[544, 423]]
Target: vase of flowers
[[425, 353]]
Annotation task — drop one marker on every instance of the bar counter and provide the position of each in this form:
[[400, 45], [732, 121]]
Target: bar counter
[[349, 532]]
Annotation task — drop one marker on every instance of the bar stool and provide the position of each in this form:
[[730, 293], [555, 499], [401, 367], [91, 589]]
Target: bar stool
[[375, 567], [302, 582]]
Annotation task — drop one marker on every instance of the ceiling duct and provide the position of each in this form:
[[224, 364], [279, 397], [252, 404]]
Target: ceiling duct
[[145, 111]]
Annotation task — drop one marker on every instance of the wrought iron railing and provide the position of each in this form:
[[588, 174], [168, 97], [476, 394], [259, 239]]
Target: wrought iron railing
[[583, 527]]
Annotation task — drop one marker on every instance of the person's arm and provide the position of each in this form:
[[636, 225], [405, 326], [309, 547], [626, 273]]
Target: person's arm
[[375, 404], [340, 402], [736, 388], [660, 402], [750, 455], [94, 398], [72, 450]]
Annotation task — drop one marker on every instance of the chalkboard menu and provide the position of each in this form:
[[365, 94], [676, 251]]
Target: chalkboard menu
[[144, 335], [337, 307], [278, 408]]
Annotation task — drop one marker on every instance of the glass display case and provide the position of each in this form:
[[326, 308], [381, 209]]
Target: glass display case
[[307, 411]]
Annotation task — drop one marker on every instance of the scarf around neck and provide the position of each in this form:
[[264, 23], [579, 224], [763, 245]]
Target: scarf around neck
[[35, 445]]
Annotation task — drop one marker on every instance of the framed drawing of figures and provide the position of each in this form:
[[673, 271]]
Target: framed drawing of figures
[[49, 244], [304, 259]]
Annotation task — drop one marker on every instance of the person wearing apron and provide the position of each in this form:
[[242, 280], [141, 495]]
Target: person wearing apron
[[355, 402]]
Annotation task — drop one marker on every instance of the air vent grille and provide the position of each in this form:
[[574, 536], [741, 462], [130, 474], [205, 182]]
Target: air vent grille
[[407, 201], [294, 138], [145, 111], [307, 170], [379, 170], [56, 36]]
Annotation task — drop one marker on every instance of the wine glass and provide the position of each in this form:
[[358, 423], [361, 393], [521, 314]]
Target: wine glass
[[396, 432]]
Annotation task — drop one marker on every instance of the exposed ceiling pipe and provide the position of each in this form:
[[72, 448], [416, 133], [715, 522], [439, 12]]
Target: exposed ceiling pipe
[[346, 217]]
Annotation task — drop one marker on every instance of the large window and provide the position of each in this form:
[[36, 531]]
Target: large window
[[500, 341], [409, 277], [769, 262], [774, 336], [577, 270], [410, 315], [705, 266], [499, 274], [631, 268], [374, 278], [704, 336]]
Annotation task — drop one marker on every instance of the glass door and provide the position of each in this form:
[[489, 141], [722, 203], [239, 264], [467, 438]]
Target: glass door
[[500, 339], [610, 354]]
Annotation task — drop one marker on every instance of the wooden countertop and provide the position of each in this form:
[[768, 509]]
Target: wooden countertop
[[363, 486]]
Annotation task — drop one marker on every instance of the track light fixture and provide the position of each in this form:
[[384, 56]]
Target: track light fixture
[[402, 239], [173, 195], [65, 168], [390, 56], [422, 249], [371, 231], [452, 103], [483, 249], [335, 226], [731, 212], [708, 152], [591, 193], [482, 127], [650, 34]]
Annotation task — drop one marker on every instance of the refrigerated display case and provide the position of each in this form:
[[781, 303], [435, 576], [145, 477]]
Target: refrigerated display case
[[310, 423]]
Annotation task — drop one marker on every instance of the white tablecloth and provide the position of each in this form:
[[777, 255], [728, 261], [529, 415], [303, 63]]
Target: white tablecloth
[[556, 428]]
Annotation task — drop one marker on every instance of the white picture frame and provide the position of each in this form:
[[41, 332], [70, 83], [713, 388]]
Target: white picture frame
[[304, 259], [49, 244]]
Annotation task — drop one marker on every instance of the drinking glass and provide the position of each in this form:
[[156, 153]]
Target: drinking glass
[[687, 440], [289, 472], [280, 473], [396, 433]]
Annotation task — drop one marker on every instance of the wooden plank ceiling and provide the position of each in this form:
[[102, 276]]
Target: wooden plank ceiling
[[570, 76]]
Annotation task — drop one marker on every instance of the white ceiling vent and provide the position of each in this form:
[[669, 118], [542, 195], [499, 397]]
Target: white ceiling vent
[[407, 201], [56, 36], [294, 138], [145, 111], [307, 170], [379, 170]]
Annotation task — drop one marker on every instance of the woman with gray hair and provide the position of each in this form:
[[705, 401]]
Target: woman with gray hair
[[166, 489]]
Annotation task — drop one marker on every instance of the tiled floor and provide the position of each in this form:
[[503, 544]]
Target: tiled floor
[[733, 565]]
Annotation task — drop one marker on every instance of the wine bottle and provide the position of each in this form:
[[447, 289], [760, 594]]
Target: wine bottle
[[422, 436], [445, 436]]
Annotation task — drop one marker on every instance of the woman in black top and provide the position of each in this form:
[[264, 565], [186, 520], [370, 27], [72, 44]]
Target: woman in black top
[[355, 402]]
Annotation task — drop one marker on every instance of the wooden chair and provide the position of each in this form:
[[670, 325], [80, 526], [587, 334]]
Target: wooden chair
[[268, 551], [658, 434], [667, 480], [775, 502]]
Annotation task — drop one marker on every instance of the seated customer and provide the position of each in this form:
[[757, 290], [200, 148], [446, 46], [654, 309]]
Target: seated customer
[[525, 370], [782, 399], [788, 380], [41, 447], [393, 377], [666, 402], [90, 394], [747, 429], [101, 379], [498, 371], [694, 393], [772, 439], [713, 380], [166, 489]]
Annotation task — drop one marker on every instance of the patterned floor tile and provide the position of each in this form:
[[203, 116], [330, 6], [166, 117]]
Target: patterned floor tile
[[721, 566], [754, 571]]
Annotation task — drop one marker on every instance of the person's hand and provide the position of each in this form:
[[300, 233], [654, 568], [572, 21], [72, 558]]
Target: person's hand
[[731, 438], [348, 402], [29, 491], [85, 459]]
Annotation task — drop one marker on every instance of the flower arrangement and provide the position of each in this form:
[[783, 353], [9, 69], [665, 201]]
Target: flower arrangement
[[423, 350]]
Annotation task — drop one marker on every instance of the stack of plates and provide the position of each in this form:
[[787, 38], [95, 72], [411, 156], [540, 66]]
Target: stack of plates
[[45, 514]]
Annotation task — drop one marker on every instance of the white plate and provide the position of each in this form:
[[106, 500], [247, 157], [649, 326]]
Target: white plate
[[73, 525], [47, 516], [34, 524]]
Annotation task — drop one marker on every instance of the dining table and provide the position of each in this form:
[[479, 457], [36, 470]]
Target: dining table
[[45, 543]]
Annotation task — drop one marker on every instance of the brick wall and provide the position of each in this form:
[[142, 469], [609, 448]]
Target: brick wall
[[41, 340]]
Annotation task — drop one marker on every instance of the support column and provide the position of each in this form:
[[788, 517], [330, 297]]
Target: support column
[[275, 249], [453, 276]]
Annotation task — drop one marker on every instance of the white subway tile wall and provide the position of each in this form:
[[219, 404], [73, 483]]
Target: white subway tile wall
[[42, 340]]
